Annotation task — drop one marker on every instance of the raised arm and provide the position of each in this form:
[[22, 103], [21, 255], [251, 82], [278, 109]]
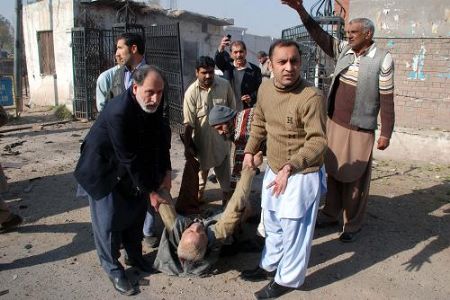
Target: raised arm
[[325, 41]]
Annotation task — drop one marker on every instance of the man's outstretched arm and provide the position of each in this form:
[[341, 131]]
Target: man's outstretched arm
[[166, 209], [320, 36], [235, 208]]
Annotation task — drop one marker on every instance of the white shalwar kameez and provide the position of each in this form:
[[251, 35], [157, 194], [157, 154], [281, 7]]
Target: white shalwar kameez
[[289, 221]]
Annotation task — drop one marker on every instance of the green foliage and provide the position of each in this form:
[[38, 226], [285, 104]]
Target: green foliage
[[6, 35], [62, 113]]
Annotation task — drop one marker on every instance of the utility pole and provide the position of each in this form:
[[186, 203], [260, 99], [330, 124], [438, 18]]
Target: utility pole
[[18, 59]]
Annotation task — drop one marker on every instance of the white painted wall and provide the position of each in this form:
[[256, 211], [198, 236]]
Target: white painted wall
[[254, 43], [48, 89]]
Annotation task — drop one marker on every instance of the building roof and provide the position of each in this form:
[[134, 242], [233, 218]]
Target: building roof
[[145, 8]]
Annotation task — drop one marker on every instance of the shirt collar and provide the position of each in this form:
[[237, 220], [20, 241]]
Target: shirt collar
[[137, 67], [370, 52], [197, 85], [247, 66]]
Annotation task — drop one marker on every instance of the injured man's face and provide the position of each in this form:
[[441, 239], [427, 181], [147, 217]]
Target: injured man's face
[[193, 243]]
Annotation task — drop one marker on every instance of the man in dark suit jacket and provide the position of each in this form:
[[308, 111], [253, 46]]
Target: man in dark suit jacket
[[243, 76], [124, 161], [130, 56]]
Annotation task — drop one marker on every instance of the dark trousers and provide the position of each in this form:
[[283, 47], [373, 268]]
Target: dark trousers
[[117, 219], [187, 201]]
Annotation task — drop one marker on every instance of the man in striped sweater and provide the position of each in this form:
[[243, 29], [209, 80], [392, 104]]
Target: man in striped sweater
[[362, 87], [290, 114]]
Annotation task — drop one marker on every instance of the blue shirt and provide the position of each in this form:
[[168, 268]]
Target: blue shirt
[[104, 82], [128, 78]]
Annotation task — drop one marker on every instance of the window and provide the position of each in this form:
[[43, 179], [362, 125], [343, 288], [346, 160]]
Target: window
[[46, 52]]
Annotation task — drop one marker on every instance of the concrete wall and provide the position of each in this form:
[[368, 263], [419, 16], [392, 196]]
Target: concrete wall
[[54, 15], [412, 18], [422, 81], [420, 145], [417, 33], [253, 42]]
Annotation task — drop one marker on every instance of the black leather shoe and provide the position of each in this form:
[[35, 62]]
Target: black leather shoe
[[123, 285], [140, 263], [349, 237], [13, 222], [272, 290], [257, 274]]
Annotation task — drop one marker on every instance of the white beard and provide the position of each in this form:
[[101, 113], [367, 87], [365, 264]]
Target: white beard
[[145, 108], [148, 110]]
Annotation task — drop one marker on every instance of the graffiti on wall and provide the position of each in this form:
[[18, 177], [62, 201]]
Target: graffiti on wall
[[417, 65]]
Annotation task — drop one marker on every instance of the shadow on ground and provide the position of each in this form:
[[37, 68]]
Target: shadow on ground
[[393, 225], [44, 197]]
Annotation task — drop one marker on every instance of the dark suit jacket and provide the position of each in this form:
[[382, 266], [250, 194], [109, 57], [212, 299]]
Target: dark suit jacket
[[251, 80], [125, 146]]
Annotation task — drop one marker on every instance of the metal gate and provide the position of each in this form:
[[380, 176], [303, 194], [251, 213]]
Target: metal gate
[[93, 52], [86, 54], [317, 67]]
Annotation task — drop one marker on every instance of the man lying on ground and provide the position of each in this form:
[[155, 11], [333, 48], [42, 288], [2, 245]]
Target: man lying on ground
[[191, 247]]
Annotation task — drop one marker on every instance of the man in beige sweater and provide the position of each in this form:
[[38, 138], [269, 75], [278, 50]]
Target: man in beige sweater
[[291, 115]]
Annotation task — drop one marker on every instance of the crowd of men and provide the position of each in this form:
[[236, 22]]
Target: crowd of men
[[311, 144], [314, 146]]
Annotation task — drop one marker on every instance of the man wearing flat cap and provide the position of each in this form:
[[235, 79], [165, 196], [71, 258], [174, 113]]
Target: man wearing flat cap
[[235, 127], [201, 141]]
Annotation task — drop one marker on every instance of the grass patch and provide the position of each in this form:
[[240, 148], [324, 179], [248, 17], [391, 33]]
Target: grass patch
[[62, 113]]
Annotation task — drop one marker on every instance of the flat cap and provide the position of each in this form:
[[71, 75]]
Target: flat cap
[[220, 114]]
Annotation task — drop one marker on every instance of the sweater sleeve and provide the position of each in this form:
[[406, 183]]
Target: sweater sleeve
[[222, 60], [386, 84], [167, 211], [231, 217], [313, 117], [257, 129]]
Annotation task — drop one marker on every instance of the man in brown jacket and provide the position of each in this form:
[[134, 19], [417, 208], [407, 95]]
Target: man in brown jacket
[[291, 115]]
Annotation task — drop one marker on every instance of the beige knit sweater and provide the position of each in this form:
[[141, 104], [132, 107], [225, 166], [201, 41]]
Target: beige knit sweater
[[294, 121]]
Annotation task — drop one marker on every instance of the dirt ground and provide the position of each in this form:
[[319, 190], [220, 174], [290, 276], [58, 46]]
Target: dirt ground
[[402, 253]]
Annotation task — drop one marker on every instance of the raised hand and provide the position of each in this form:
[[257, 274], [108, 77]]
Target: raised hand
[[295, 4]]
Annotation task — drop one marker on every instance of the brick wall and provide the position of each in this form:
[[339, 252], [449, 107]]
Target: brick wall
[[422, 81]]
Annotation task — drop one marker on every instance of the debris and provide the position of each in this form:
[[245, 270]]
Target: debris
[[143, 282], [13, 145], [37, 127], [14, 277], [23, 206], [48, 142], [28, 246], [4, 292], [12, 165]]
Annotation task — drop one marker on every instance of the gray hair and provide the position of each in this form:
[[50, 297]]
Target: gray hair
[[142, 72], [367, 24], [192, 251]]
